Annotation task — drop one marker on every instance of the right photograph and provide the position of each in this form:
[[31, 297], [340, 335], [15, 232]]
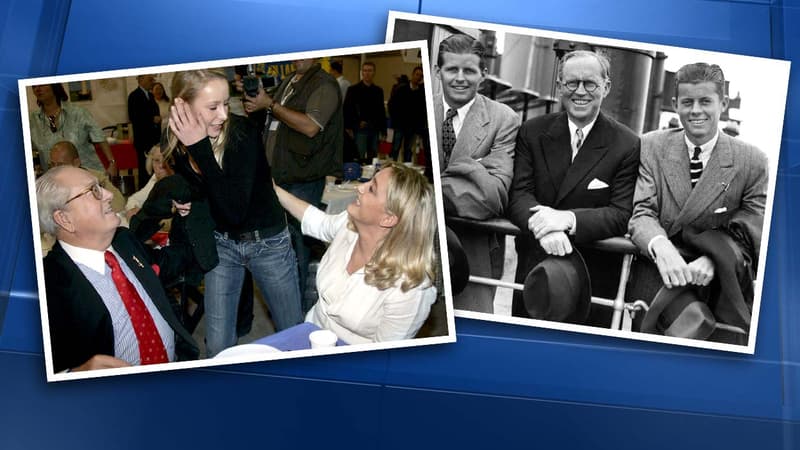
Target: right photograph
[[603, 186]]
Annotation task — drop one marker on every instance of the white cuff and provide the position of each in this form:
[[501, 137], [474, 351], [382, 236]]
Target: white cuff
[[573, 229], [650, 245]]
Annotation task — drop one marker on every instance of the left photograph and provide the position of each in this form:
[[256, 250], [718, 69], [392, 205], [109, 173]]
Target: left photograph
[[236, 211]]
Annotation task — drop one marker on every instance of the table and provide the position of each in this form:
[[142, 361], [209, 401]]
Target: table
[[294, 338], [338, 196], [124, 153]]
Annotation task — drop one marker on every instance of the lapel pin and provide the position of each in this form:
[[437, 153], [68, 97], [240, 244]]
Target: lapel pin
[[141, 266], [725, 186]]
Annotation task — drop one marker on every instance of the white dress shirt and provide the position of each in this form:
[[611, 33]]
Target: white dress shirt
[[357, 312], [585, 130], [460, 117], [126, 345], [705, 155]]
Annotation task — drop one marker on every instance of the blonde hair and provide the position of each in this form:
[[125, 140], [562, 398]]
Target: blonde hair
[[407, 252], [186, 85]]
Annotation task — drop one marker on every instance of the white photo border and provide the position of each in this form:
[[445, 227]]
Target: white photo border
[[421, 46], [778, 72]]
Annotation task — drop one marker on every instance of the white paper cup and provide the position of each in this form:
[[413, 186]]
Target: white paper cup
[[322, 339]]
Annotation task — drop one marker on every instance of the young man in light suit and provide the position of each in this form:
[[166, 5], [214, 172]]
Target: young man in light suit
[[476, 159], [693, 178], [574, 176]]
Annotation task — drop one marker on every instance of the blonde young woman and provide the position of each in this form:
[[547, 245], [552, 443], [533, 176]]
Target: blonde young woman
[[222, 158], [375, 281]]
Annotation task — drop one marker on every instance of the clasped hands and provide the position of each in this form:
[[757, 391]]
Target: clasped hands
[[550, 227], [675, 271]]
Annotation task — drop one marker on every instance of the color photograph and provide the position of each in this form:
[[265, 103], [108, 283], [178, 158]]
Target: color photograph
[[236, 211]]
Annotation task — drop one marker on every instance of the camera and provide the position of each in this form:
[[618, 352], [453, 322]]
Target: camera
[[251, 83]]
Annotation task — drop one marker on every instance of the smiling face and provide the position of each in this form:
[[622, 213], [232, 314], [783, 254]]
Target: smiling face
[[461, 76], [85, 221], [369, 208], [211, 103], [699, 107], [581, 105]]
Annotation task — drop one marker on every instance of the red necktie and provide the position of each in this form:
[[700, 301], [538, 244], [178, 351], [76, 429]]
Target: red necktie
[[151, 348]]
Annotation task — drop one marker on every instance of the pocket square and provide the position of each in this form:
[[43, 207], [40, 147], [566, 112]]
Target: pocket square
[[720, 210], [597, 184]]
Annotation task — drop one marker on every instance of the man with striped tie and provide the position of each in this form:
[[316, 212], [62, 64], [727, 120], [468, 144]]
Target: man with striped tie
[[105, 304], [693, 178]]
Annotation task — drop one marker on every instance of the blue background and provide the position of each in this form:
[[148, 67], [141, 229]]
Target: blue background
[[500, 386]]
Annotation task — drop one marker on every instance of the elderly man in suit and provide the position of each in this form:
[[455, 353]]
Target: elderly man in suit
[[476, 143], [105, 305], [574, 176], [693, 178]]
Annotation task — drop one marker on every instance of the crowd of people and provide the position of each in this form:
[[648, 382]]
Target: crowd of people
[[692, 199], [223, 184]]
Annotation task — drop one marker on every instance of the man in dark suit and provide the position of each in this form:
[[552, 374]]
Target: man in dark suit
[[364, 113], [144, 116], [694, 178], [574, 177], [105, 305], [476, 158]]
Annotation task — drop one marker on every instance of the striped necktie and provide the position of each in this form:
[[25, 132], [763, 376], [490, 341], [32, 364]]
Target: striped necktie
[[578, 143], [695, 167]]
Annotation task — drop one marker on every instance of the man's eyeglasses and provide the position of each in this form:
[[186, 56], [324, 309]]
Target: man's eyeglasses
[[588, 85], [95, 189]]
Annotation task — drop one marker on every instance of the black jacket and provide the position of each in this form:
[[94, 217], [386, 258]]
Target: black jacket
[[141, 111], [240, 194], [80, 324]]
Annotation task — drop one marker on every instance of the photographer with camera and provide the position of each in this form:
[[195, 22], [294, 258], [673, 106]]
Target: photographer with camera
[[303, 135]]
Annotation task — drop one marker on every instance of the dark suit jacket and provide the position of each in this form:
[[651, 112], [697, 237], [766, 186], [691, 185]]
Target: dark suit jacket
[[80, 324], [141, 110], [543, 174]]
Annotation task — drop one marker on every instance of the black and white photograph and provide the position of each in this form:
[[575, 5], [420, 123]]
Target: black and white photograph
[[603, 186], [232, 211]]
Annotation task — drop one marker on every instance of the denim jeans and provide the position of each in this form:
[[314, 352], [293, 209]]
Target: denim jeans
[[272, 263], [406, 139], [367, 143], [312, 193]]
